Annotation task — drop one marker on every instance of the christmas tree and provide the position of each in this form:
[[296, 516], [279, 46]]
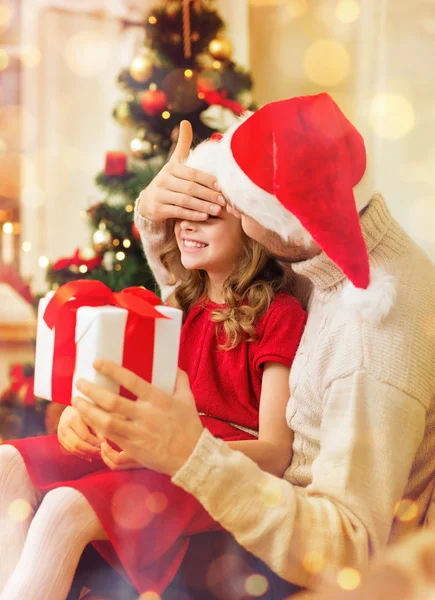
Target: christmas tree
[[184, 71]]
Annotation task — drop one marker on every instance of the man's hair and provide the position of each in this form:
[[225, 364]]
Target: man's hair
[[247, 292]]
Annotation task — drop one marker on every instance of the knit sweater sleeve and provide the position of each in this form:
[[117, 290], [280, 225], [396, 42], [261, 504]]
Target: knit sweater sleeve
[[369, 436], [153, 237]]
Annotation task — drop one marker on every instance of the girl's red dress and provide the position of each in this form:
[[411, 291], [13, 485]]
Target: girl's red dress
[[149, 520]]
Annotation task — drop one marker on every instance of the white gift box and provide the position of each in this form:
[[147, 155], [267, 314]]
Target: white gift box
[[99, 334]]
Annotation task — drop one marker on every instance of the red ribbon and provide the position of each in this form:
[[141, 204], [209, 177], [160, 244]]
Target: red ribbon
[[76, 261], [21, 385], [220, 99], [61, 315]]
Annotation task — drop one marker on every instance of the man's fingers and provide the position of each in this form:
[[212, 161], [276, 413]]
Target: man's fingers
[[185, 137], [190, 174], [182, 388], [126, 379], [194, 195], [172, 203], [119, 459], [233, 211]]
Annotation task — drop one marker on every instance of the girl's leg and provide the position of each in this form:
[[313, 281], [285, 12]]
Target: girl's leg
[[18, 501], [61, 528]]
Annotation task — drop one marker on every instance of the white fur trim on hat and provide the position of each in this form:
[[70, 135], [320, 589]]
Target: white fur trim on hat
[[204, 157], [374, 303], [249, 198]]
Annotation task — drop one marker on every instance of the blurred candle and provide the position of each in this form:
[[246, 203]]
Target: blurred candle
[[7, 244]]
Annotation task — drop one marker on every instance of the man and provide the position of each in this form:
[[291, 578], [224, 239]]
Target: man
[[363, 379]]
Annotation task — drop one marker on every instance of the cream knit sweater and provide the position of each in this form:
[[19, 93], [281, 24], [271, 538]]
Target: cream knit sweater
[[363, 414]]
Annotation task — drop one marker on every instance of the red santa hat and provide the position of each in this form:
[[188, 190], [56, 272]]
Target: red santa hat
[[292, 166]]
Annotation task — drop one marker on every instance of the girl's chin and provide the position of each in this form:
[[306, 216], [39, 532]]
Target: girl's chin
[[192, 265]]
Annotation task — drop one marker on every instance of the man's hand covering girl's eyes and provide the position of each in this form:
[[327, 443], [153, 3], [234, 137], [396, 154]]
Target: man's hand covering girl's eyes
[[179, 191]]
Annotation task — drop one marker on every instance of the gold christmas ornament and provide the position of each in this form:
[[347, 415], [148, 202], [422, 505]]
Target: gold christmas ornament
[[141, 67], [220, 48], [123, 114]]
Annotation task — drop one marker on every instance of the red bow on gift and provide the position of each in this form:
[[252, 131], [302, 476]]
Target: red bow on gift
[[21, 386], [220, 99], [76, 261], [61, 315]]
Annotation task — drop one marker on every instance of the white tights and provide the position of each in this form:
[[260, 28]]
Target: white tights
[[40, 547]]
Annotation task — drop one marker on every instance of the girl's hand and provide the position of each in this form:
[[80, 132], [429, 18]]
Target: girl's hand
[[76, 437], [117, 461], [181, 192]]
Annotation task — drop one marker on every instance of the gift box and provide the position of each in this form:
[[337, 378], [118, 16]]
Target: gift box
[[85, 320]]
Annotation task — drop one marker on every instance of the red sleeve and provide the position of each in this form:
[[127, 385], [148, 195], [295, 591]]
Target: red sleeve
[[280, 331]]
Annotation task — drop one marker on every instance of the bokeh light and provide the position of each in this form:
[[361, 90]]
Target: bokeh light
[[30, 56], [5, 15], [33, 197], [13, 119], [120, 255], [87, 53], [313, 562], [348, 579], [26, 246], [19, 510], [43, 262], [406, 510], [391, 116], [157, 502], [4, 59], [297, 8], [149, 596], [326, 62], [420, 219], [83, 269], [256, 585], [126, 243], [347, 11], [271, 493], [129, 508]]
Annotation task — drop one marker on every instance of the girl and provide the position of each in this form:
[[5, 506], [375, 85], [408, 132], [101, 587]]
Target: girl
[[239, 337]]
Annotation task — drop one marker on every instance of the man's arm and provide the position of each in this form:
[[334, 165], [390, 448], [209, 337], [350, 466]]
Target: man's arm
[[370, 434]]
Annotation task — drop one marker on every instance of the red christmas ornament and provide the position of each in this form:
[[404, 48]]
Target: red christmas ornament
[[135, 232], [154, 102], [116, 163]]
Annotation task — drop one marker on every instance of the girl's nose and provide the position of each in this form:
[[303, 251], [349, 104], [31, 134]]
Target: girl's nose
[[188, 226]]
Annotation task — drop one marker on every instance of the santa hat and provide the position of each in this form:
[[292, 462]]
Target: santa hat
[[292, 166]]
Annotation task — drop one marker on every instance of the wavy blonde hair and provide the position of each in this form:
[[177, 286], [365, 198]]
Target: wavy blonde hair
[[247, 292]]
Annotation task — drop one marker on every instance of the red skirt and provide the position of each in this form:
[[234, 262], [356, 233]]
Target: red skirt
[[147, 518]]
